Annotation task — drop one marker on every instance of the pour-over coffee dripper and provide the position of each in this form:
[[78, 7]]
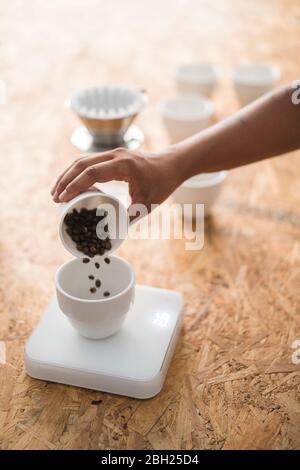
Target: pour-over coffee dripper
[[107, 112]]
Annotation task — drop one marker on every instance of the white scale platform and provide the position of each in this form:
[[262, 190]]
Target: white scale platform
[[134, 362]]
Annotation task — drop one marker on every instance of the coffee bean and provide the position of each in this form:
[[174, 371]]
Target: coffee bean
[[91, 277], [107, 260], [106, 294], [93, 290], [85, 260], [97, 265], [98, 283], [96, 402]]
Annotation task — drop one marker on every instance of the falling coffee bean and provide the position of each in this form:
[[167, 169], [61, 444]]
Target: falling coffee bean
[[98, 283], [96, 402], [93, 290], [91, 277], [108, 245], [97, 265], [106, 294], [85, 260], [107, 260]]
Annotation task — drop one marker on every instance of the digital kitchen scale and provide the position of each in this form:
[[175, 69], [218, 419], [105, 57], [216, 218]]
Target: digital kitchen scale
[[83, 140], [133, 362]]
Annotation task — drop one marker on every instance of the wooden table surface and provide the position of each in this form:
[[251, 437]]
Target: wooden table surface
[[232, 383]]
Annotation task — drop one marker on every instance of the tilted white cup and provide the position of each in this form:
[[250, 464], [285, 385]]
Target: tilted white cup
[[94, 315], [117, 218]]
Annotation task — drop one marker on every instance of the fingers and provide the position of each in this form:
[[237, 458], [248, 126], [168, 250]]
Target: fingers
[[101, 172], [53, 190], [79, 166]]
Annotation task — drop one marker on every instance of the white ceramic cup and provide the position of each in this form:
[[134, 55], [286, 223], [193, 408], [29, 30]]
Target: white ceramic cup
[[201, 189], [186, 115], [200, 79], [92, 314], [117, 218], [254, 80]]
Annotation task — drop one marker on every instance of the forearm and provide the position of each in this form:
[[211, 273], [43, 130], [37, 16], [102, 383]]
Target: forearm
[[266, 128]]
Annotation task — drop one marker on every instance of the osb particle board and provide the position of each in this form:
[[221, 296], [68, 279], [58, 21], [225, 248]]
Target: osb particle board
[[232, 383]]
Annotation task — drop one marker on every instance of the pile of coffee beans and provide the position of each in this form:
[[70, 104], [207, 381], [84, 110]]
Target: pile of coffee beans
[[81, 227]]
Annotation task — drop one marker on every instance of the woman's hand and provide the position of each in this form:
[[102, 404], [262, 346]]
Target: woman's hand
[[152, 178]]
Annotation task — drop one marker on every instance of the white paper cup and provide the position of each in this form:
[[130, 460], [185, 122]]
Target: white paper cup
[[200, 79], [117, 219], [92, 314], [201, 189], [254, 80], [186, 115]]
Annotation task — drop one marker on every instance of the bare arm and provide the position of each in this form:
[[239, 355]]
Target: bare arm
[[268, 127]]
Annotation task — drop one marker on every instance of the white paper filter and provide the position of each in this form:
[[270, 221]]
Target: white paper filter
[[107, 102]]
